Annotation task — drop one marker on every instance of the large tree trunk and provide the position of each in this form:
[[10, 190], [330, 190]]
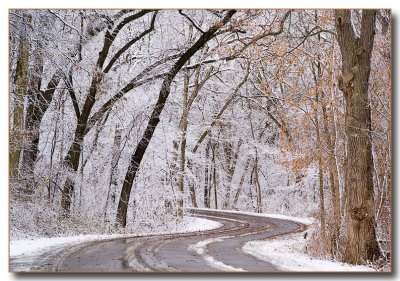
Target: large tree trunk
[[21, 84], [230, 158], [72, 164], [361, 243], [137, 156]]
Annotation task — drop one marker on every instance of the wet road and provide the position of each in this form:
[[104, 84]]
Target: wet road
[[170, 252], [178, 252]]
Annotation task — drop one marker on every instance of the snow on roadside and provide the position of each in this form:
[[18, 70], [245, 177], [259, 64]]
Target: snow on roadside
[[35, 247], [284, 253], [192, 224], [200, 248], [306, 221], [27, 254], [41, 245]]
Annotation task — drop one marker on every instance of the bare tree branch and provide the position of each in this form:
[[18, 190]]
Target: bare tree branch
[[191, 21], [127, 20], [130, 43]]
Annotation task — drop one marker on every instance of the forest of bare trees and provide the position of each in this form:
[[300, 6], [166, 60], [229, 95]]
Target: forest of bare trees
[[121, 119]]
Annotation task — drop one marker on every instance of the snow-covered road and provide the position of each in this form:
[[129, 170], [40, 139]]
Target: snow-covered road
[[229, 241]]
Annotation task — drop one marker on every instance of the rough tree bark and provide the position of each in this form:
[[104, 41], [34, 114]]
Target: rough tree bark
[[361, 242], [140, 150], [230, 158], [21, 84]]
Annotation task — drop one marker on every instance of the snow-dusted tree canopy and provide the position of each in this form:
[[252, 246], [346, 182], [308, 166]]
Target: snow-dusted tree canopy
[[119, 119]]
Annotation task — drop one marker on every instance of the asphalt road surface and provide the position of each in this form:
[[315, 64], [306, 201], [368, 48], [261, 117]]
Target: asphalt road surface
[[176, 252]]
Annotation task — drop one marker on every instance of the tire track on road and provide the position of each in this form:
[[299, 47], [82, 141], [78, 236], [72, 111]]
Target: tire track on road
[[170, 253]]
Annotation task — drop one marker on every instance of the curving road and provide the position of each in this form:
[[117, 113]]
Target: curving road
[[208, 251]]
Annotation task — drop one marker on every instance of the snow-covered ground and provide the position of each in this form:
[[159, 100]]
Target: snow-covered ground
[[26, 251], [286, 254], [192, 224]]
